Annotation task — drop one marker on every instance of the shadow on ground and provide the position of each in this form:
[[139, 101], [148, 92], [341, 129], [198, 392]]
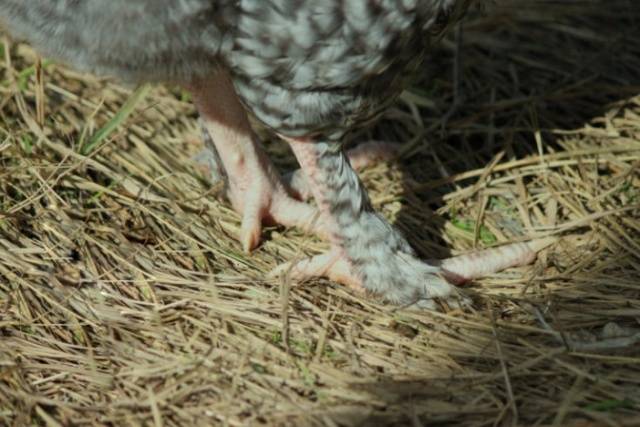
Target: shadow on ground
[[537, 77]]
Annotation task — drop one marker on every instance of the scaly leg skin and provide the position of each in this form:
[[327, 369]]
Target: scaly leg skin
[[296, 183], [367, 252], [254, 187], [361, 156]]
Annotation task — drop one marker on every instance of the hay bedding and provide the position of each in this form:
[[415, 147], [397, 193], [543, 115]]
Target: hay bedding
[[125, 300]]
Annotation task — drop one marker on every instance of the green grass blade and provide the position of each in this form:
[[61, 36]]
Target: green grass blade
[[122, 114]]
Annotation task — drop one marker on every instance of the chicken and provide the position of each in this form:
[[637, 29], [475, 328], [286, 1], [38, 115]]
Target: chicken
[[310, 70]]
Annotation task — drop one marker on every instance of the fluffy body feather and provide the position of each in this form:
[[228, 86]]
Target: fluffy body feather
[[303, 67]]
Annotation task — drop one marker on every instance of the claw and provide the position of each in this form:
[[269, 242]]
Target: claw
[[250, 230]]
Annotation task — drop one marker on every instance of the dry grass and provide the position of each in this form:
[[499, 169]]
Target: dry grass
[[126, 300]]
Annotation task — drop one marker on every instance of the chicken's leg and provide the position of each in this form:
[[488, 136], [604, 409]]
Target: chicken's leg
[[254, 187], [367, 252]]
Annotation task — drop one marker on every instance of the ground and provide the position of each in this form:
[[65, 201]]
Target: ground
[[125, 298]]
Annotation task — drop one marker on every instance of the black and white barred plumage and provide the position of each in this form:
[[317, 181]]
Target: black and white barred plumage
[[303, 67]]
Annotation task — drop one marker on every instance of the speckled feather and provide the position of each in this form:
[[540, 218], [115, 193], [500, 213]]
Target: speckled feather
[[303, 67], [320, 67]]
